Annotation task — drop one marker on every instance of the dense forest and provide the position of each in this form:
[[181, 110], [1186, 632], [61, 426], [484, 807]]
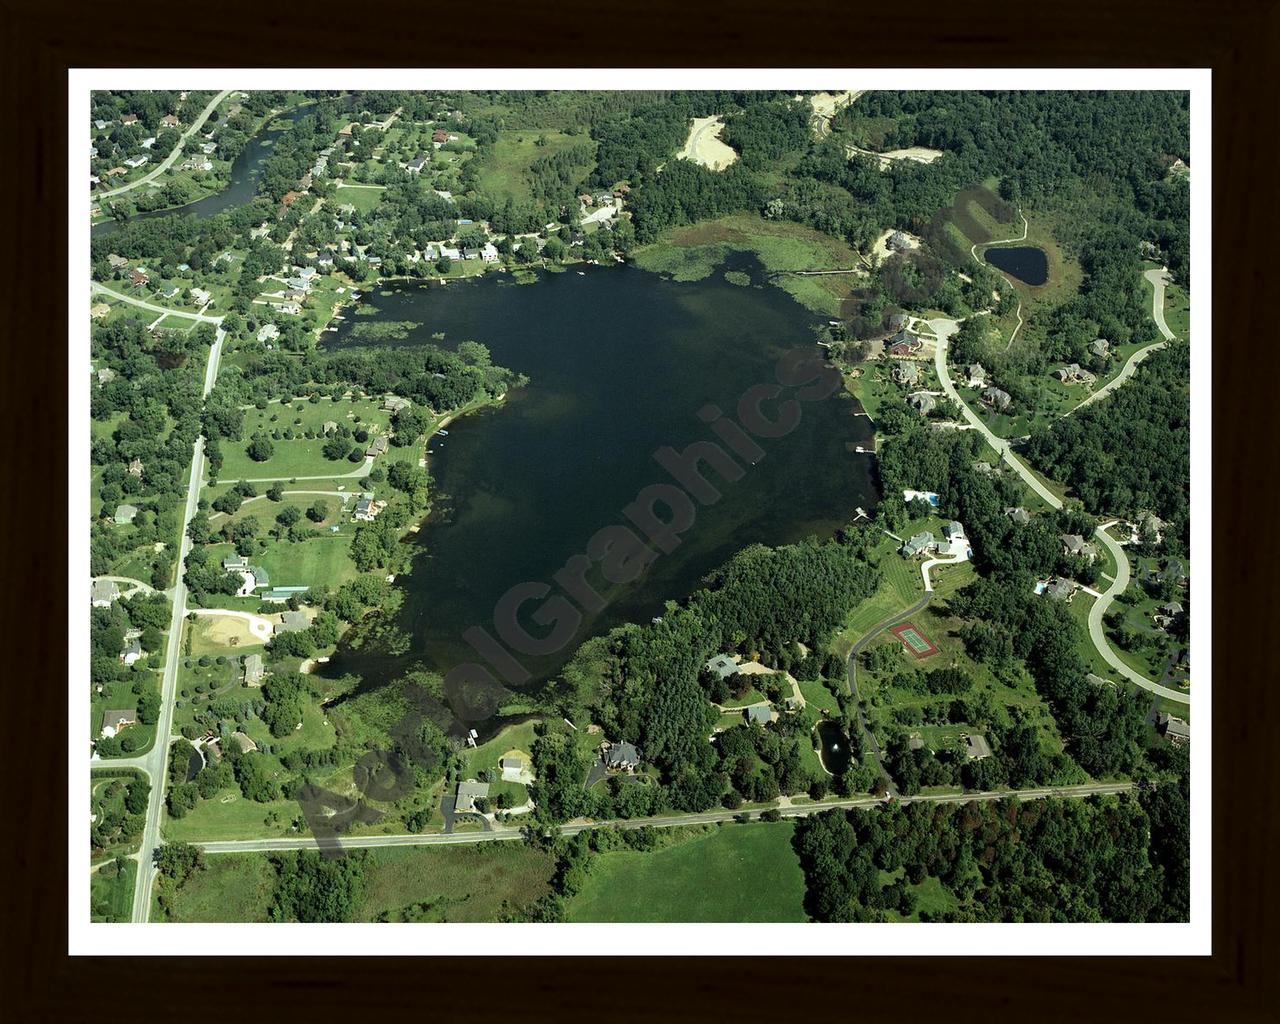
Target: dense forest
[[1131, 452], [1101, 859]]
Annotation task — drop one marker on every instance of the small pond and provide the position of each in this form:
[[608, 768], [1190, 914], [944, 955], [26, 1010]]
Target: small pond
[[1027, 263], [835, 748]]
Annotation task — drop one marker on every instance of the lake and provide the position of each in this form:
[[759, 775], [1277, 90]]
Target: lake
[[245, 172], [620, 360], [1027, 263]]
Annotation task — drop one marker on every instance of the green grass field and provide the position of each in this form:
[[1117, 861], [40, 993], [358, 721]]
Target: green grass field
[[736, 872], [505, 169], [477, 882], [111, 893], [233, 887], [363, 197]]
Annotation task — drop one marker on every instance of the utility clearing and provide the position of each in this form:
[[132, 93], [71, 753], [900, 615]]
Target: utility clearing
[[918, 154], [703, 146]]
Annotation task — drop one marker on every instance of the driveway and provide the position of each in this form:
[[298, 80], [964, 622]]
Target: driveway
[[196, 125], [258, 626], [1157, 279]]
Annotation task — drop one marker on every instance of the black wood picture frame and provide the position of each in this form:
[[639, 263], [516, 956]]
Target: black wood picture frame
[[1238, 39]]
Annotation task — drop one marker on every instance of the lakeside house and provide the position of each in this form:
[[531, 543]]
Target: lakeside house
[[919, 544], [930, 496], [291, 622], [366, 510], [922, 402], [378, 446], [906, 373], [513, 769], [464, 801]]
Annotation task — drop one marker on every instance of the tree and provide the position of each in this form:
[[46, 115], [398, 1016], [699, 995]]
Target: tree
[[318, 512], [260, 448], [275, 492]]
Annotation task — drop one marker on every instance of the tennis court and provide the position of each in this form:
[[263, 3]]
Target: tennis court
[[913, 640]]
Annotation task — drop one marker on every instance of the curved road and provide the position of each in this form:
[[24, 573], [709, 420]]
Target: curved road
[[973, 251], [196, 125], [1098, 635], [1157, 279], [99, 289]]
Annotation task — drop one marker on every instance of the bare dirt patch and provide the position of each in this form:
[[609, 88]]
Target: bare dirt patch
[[703, 146]]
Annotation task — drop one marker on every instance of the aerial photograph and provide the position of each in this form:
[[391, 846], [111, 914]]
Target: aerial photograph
[[628, 506]]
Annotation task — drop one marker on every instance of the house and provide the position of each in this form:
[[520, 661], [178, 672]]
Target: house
[[394, 403], [489, 253], [1175, 572], [114, 721], [234, 563], [116, 261], [1074, 544], [915, 741], [325, 260], [468, 793], [585, 199], [268, 332], [99, 310], [906, 373], [253, 672], [169, 121], [171, 292], [100, 124], [621, 757], [279, 595], [997, 399], [138, 278], [135, 467], [415, 165], [261, 579], [513, 769], [304, 182], [329, 427], [722, 665], [760, 714], [919, 544], [437, 136], [290, 197], [898, 242], [1097, 680], [977, 375], [291, 622], [295, 295], [208, 148], [148, 143], [1074, 374], [1019, 515], [1100, 347], [929, 496], [1060, 589], [366, 510], [106, 375], [248, 583], [1150, 524], [129, 119], [290, 308], [200, 296], [470, 252], [922, 402], [975, 746], [1175, 730], [378, 446], [103, 592], [136, 161], [897, 321], [126, 514], [132, 651], [954, 533], [902, 344]]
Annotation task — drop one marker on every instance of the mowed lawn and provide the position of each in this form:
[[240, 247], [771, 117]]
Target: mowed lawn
[[736, 873], [111, 892], [453, 883]]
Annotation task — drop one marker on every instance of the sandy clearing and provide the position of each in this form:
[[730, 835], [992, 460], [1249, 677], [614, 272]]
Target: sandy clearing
[[703, 146], [918, 154], [233, 628], [825, 105], [881, 248]]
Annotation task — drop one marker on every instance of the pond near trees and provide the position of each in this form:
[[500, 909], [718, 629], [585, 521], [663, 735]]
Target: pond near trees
[[620, 362], [1027, 263], [835, 748]]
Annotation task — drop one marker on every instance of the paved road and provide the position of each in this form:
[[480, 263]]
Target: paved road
[[944, 328], [100, 289], [1157, 279], [1098, 635], [196, 125], [154, 763], [708, 818], [359, 473], [851, 671]]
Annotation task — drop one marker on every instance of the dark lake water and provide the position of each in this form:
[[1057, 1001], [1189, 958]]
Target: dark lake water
[[620, 361], [1027, 263], [245, 172], [835, 748]]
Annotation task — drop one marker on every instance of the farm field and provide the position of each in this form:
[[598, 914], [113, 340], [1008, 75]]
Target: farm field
[[733, 873]]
